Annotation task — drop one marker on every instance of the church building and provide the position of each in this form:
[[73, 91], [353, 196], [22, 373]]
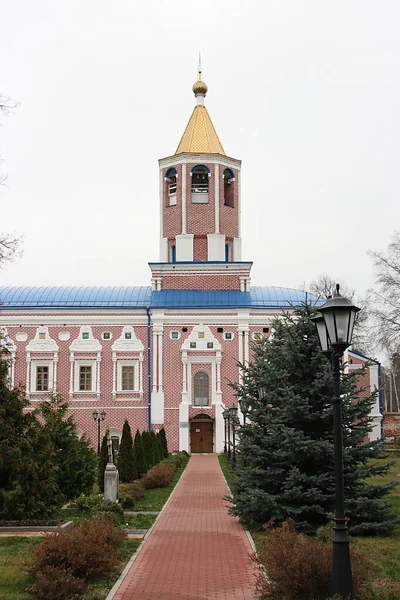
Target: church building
[[161, 355]]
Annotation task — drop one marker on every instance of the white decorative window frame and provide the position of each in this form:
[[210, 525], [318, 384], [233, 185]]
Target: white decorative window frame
[[82, 346], [8, 343], [126, 352], [82, 362], [38, 362], [133, 362], [44, 345]]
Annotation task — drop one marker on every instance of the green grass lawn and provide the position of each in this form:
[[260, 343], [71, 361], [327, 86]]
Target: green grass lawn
[[156, 498]]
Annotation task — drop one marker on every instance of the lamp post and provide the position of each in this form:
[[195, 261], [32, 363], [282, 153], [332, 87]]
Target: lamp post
[[233, 410], [228, 420], [225, 414], [99, 418], [334, 323], [244, 403]]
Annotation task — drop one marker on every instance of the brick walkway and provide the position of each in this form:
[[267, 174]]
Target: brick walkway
[[195, 550]]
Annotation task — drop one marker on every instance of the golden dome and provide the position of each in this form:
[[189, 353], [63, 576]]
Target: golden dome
[[200, 88]]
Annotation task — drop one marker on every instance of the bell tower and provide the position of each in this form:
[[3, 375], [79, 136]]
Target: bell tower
[[200, 210]]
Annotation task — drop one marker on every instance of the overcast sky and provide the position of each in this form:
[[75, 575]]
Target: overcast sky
[[306, 93]]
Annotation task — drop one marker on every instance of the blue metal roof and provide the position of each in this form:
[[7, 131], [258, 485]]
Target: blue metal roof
[[142, 297]]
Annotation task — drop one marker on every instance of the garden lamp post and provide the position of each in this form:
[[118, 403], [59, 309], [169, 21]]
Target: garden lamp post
[[234, 411], [244, 404], [225, 414], [99, 418], [334, 323], [228, 420]]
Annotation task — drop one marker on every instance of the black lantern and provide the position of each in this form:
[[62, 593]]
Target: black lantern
[[334, 323], [339, 315], [244, 404], [234, 418], [225, 414], [98, 418], [322, 331]]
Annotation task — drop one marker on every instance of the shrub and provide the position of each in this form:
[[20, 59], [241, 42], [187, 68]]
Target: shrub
[[136, 490], [163, 438], [56, 583], [148, 449], [86, 503], [177, 460], [108, 511], [158, 476], [126, 501], [296, 567], [85, 551]]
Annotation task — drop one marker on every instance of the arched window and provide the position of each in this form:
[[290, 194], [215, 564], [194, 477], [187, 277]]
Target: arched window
[[229, 179], [201, 389], [200, 175], [170, 179]]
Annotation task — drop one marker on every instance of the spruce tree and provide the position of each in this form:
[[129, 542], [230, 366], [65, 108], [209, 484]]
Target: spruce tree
[[103, 461], [75, 459], [164, 442], [28, 465], [287, 443], [148, 449], [138, 455], [125, 455], [160, 447]]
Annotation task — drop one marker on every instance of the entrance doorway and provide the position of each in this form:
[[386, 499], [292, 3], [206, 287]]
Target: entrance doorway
[[202, 435]]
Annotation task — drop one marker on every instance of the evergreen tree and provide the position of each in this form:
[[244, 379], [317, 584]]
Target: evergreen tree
[[148, 449], [164, 442], [160, 447], [103, 461], [125, 455], [138, 455], [75, 458], [28, 467], [287, 442], [156, 448]]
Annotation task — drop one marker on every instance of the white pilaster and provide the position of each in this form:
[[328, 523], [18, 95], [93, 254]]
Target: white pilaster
[[240, 346], [55, 366], [184, 247], [71, 375], [114, 382], [237, 249], [183, 199], [160, 362], [28, 373], [98, 362], [215, 246], [161, 204], [216, 199], [141, 374], [246, 346], [154, 357], [376, 415]]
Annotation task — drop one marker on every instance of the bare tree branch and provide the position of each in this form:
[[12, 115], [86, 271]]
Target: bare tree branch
[[10, 248]]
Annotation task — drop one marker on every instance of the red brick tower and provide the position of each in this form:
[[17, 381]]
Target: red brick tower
[[200, 243]]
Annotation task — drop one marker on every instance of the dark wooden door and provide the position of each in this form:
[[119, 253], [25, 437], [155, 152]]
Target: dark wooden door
[[201, 436]]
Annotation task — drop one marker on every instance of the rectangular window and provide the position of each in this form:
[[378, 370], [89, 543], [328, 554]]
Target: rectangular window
[[115, 443], [128, 335], [42, 379], [128, 378], [85, 378], [85, 335]]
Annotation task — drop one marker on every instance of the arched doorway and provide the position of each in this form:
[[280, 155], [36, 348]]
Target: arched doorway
[[202, 435]]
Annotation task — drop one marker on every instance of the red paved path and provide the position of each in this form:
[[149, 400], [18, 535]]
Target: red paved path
[[195, 549]]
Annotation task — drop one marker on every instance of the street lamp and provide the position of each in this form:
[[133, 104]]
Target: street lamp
[[244, 403], [225, 414], [234, 411], [334, 323], [99, 418]]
